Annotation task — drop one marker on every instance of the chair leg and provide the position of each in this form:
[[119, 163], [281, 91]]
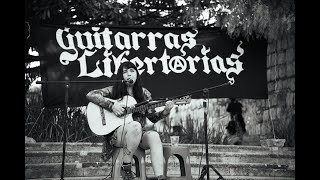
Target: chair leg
[[183, 156], [139, 157], [117, 160], [140, 164]]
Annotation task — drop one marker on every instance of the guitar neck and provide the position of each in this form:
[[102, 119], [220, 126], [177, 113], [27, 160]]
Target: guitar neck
[[145, 107]]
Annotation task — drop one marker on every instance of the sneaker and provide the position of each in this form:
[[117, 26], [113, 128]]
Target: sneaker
[[126, 172], [161, 177]]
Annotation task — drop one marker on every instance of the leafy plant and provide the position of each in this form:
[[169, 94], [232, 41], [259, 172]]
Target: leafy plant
[[195, 135], [47, 125]]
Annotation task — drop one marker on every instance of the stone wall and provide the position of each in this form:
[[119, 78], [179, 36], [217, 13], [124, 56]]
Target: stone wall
[[281, 88], [259, 114]]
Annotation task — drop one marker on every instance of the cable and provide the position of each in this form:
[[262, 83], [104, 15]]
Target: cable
[[122, 133], [124, 119], [201, 90], [42, 109], [124, 123]]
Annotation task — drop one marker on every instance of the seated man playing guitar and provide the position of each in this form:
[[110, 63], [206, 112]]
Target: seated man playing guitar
[[129, 134]]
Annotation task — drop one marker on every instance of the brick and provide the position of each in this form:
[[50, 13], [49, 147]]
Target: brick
[[290, 55], [268, 75], [285, 84], [273, 112], [292, 84], [282, 71], [269, 48], [291, 41], [264, 103], [272, 47], [279, 113], [289, 69], [278, 45], [273, 74], [273, 59], [294, 103], [265, 116], [257, 104], [294, 68], [290, 99], [279, 84], [270, 86], [269, 60], [281, 96], [274, 101], [268, 102], [281, 57], [284, 42]]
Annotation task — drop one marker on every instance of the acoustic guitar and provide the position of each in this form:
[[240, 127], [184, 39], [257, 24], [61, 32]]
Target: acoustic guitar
[[102, 121]]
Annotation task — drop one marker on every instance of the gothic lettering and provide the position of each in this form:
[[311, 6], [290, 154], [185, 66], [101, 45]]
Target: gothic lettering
[[174, 57]]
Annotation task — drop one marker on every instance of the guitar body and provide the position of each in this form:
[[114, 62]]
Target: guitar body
[[102, 121]]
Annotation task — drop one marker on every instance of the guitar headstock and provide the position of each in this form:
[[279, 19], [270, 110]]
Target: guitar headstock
[[182, 100]]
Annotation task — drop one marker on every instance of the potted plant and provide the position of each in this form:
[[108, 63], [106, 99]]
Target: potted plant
[[272, 142]]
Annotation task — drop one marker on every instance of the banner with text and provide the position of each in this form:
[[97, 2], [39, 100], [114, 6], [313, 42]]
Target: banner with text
[[171, 61]]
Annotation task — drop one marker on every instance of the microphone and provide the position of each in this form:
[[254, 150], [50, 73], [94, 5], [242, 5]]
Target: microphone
[[129, 81]]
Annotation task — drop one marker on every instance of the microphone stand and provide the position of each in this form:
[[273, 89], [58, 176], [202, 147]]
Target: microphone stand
[[205, 91], [67, 85], [205, 169]]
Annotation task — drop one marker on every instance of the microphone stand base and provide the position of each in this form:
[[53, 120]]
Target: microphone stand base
[[205, 170]]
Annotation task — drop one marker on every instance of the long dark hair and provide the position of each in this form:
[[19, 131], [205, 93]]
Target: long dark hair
[[120, 89]]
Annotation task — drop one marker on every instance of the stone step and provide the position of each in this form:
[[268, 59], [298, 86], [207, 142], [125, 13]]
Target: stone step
[[57, 146], [43, 160], [49, 170], [36, 157], [194, 178]]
